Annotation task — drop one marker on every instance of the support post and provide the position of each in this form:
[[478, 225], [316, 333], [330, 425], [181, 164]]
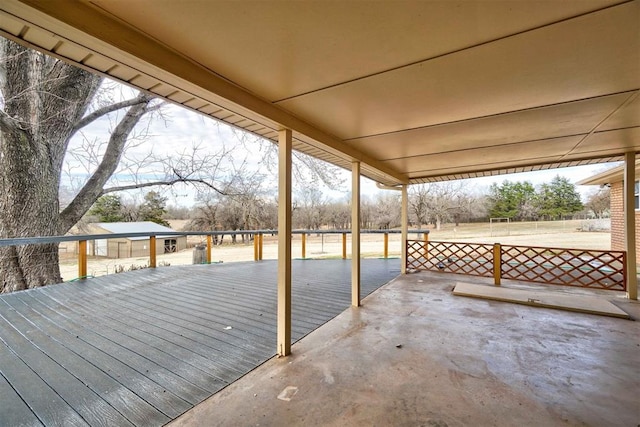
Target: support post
[[386, 245], [82, 259], [344, 245], [355, 234], [284, 242], [425, 252], [260, 247], [152, 251], [209, 246], [497, 263], [404, 224], [304, 245], [630, 224], [256, 242]]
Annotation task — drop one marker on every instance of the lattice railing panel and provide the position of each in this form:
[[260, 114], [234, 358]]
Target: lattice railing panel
[[554, 266], [568, 267], [463, 258]]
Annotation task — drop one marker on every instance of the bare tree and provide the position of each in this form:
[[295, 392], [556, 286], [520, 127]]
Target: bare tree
[[306, 170], [44, 104], [244, 206], [439, 202], [205, 217], [311, 208], [339, 215], [386, 211], [419, 204], [599, 202]]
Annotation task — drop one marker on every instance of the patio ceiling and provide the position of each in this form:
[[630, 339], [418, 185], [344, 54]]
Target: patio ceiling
[[418, 91]]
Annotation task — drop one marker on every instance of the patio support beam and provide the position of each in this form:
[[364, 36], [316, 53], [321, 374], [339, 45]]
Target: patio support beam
[[355, 234], [404, 224], [285, 143], [630, 224]]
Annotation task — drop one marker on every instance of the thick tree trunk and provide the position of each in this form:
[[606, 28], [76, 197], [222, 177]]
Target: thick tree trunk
[[29, 266], [45, 101], [29, 206]]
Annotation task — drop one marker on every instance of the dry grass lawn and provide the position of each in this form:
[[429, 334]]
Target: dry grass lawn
[[559, 234]]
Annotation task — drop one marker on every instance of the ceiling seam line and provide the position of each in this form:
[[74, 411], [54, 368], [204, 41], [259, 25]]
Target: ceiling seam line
[[626, 102], [489, 116], [617, 129], [481, 148], [453, 52]]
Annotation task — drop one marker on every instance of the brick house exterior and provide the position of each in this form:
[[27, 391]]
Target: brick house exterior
[[614, 178]]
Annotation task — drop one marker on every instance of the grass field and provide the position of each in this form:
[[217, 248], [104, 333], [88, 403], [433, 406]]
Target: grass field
[[559, 234]]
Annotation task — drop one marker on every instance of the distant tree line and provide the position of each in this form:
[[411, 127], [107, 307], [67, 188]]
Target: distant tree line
[[250, 207], [110, 208], [520, 201]]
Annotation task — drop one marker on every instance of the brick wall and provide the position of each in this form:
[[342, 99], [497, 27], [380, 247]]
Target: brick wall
[[617, 220]]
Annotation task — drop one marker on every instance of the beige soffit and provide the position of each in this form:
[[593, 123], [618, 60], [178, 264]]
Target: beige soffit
[[609, 176], [418, 91]]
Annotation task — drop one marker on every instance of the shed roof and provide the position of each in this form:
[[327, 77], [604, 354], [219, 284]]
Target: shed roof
[[135, 227]]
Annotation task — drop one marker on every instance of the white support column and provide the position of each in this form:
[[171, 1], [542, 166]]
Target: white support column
[[404, 223], [630, 224], [284, 242], [355, 234]]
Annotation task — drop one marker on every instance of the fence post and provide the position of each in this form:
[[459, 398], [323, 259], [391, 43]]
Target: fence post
[[82, 259], [260, 247], [425, 252], [209, 245], [386, 245], [405, 267], [152, 251], [256, 242], [344, 245], [304, 245], [497, 263]]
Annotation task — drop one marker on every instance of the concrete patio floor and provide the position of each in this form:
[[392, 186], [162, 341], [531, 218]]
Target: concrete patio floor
[[414, 354]]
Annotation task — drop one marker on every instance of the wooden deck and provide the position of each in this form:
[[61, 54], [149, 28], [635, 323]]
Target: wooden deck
[[143, 347]]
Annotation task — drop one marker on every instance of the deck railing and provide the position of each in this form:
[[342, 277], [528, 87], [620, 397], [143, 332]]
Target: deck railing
[[85, 245], [584, 268]]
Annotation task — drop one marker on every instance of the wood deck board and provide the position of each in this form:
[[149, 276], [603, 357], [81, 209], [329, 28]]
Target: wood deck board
[[43, 401], [169, 324], [152, 392], [178, 336], [169, 381], [128, 404], [140, 348], [175, 358], [93, 409], [20, 413]]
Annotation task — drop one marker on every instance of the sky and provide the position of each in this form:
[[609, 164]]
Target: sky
[[178, 129]]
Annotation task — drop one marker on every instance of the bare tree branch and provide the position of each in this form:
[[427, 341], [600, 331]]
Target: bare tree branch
[[100, 112], [94, 186], [166, 183]]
